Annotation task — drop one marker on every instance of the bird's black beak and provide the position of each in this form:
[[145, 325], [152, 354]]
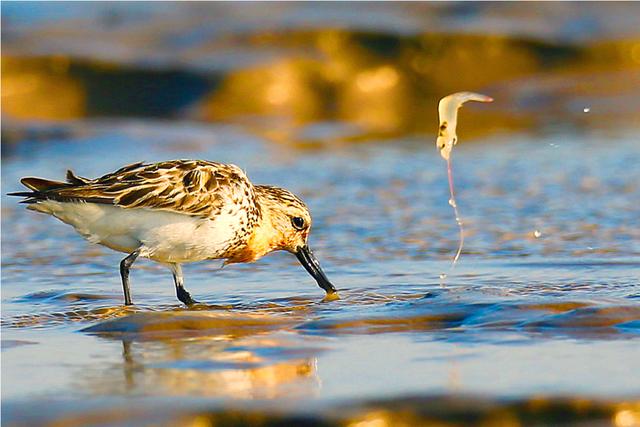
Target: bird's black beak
[[311, 264]]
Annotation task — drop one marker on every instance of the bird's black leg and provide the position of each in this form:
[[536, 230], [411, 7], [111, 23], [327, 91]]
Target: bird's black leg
[[181, 292], [125, 265]]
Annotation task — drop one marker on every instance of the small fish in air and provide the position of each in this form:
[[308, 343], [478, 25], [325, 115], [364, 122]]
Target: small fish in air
[[447, 138]]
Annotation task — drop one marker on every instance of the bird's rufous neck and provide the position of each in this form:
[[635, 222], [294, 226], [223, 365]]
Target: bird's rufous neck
[[264, 238]]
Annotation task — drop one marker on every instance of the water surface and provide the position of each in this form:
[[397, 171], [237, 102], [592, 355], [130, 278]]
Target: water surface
[[538, 322]]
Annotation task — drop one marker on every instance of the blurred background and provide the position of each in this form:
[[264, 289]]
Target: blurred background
[[539, 322], [320, 73]]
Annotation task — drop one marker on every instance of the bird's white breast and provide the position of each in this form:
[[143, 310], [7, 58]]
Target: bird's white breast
[[164, 236]]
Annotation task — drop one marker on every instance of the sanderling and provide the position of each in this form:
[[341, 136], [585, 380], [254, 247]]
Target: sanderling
[[179, 211]]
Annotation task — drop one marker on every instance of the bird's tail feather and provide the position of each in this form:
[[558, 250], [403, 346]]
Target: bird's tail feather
[[41, 184], [38, 187]]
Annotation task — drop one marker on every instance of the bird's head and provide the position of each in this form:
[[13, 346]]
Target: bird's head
[[448, 114], [286, 226]]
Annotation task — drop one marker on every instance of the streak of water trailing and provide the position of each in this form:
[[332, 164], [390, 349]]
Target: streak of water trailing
[[454, 205]]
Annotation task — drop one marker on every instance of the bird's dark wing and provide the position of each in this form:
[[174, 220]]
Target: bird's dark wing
[[191, 187]]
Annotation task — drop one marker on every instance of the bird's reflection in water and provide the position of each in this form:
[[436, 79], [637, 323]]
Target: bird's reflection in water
[[262, 367]]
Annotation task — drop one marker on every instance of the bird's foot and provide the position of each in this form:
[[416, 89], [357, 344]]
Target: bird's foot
[[185, 297]]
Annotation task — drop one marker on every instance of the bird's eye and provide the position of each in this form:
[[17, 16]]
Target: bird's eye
[[297, 222]]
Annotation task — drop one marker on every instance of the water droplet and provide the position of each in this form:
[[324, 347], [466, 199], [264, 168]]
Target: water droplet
[[537, 234], [443, 276], [452, 202], [586, 109]]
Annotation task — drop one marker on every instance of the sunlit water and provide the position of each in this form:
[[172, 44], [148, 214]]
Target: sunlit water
[[539, 321], [520, 315]]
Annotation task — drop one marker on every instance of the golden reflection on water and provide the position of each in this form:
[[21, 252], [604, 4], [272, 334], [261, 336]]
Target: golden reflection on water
[[286, 379], [438, 411], [169, 324], [235, 321], [628, 415], [262, 354], [381, 85], [260, 366], [41, 89], [206, 353], [381, 95], [388, 93]]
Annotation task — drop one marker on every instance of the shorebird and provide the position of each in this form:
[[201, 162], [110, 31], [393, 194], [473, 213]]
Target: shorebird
[[179, 211]]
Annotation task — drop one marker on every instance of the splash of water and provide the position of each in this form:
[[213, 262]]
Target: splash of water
[[454, 205]]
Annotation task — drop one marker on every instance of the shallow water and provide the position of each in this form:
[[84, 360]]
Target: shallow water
[[538, 322], [519, 316]]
